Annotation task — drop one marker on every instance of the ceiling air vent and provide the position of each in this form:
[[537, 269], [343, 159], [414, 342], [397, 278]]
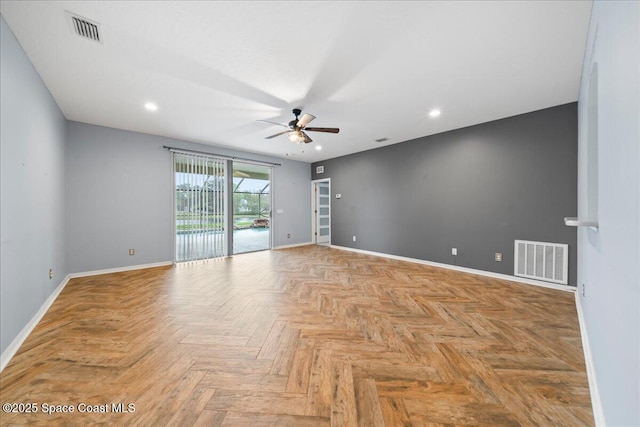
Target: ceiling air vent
[[84, 27], [382, 139]]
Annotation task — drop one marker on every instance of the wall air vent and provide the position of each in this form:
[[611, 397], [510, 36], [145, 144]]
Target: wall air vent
[[542, 261], [85, 28]]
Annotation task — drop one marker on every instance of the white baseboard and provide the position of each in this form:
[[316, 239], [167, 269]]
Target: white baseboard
[[596, 403], [293, 246], [120, 269], [13, 348], [463, 269]]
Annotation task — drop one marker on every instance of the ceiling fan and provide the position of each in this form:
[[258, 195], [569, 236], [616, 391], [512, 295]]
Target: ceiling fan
[[297, 127]]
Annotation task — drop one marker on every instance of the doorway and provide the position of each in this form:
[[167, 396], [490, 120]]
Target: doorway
[[251, 207], [321, 200]]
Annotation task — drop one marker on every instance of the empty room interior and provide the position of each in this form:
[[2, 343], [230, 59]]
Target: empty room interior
[[356, 213]]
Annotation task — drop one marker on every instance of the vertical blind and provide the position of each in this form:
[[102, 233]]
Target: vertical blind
[[199, 206]]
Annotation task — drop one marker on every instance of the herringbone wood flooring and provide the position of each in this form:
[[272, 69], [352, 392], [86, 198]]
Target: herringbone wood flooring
[[304, 337]]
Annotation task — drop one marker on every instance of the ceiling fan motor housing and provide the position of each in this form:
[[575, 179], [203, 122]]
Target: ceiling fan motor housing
[[296, 112]]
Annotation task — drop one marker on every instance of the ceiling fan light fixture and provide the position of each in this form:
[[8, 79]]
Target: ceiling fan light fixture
[[298, 128], [296, 137]]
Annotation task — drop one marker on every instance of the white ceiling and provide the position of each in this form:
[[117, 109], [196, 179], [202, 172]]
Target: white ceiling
[[373, 69]]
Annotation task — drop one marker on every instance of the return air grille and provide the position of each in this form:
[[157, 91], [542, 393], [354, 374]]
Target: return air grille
[[84, 28], [542, 261]]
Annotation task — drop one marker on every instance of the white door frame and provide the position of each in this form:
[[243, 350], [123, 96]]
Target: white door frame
[[313, 208]]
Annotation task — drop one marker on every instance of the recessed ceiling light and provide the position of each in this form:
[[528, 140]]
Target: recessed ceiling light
[[434, 113], [150, 106], [318, 147]]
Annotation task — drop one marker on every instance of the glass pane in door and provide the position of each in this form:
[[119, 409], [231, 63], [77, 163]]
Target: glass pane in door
[[251, 208], [323, 213]]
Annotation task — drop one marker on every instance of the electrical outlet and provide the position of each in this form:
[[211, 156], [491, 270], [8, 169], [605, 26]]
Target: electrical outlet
[[132, 252], [498, 257], [582, 289], [288, 235], [454, 251], [354, 238], [50, 274]]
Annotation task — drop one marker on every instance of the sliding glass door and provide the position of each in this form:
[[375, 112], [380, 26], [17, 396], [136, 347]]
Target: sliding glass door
[[222, 206], [251, 208], [199, 183]]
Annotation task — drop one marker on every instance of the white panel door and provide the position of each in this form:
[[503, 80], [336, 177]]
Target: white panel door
[[323, 213]]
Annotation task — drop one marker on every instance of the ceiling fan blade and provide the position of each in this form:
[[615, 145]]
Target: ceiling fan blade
[[306, 138], [277, 134], [305, 120], [272, 123], [329, 130]]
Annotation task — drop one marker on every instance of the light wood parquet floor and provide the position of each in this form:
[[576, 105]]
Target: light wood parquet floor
[[310, 336]]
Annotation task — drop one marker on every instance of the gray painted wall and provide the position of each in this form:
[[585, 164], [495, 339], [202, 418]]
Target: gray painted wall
[[119, 196], [476, 189], [32, 138], [609, 260]]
